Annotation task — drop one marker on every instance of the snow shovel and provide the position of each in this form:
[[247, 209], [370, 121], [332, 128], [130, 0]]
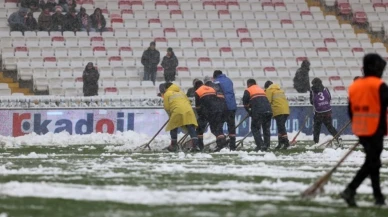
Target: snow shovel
[[147, 145], [317, 187]]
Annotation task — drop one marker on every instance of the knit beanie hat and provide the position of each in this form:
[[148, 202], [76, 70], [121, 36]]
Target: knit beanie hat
[[169, 49], [152, 44]]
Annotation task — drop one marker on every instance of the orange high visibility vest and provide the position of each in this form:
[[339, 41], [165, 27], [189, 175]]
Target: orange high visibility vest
[[364, 96], [255, 91], [205, 91]]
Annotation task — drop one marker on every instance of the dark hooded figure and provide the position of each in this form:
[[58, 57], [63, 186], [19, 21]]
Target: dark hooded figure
[[169, 64], [368, 101], [98, 20], [31, 23], [320, 98], [301, 79], [150, 60], [17, 20], [191, 90], [90, 78]]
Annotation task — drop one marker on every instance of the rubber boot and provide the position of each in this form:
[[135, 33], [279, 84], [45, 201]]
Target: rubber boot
[[348, 196], [286, 143], [280, 143], [221, 143], [380, 202], [195, 147], [173, 146], [200, 143], [232, 143]]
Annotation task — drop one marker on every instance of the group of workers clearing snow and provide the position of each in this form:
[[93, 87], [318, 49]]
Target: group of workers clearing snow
[[215, 104]]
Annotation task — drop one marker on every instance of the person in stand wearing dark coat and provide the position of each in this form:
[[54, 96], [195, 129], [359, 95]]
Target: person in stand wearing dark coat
[[150, 60], [17, 20], [367, 107], [58, 20], [71, 21], [85, 21], [169, 63], [90, 78], [31, 23], [67, 4], [301, 79], [320, 98], [45, 20], [98, 20], [50, 4], [33, 5], [191, 90]]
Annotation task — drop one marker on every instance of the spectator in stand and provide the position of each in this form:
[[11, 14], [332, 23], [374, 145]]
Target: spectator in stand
[[90, 78], [67, 4], [31, 4], [169, 63], [71, 21], [98, 20], [17, 20], [50, 4], [45, 20], [85, 21], [31, 23], [150, 60], [191, 90], [58, 20], [301, 79]]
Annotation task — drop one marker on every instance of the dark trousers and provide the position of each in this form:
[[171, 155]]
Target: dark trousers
[[169, 76], [190, 129], [150, 73], [215, 120], [281, 125], [261, 121], [326, 119], [18, 27], [373, 146], [230, 118]]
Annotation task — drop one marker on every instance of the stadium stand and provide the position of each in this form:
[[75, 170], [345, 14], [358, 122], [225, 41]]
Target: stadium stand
[[265, 39]]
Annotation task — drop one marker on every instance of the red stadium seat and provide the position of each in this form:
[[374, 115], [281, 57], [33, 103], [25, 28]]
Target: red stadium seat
[[79, 79], [223, 12], [344, 8], [221, 5], [242, 32], [182, 70], [125, 4], [360, 17], [49, 59], [270, 70], [21, 49], [299, 60], [204, 61]]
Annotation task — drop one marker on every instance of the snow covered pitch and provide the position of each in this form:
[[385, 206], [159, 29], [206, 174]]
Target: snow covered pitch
[[98, 175]]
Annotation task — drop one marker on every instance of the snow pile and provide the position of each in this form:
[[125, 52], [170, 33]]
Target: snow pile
[[33, 155]]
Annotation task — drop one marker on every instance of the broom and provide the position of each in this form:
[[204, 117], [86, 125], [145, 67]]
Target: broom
[[147, 145], [240, 142], [327, 143], [207, 145], [293, 141], [317, 187]]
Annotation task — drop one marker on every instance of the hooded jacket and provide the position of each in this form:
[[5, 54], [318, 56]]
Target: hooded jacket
[[169, 64], [320, 97], [58, 21], [90, 78], [178, 108], [31, 23], [228, 90], [301, 79], [150, 58], [278, 100], [95, 19], [15, 17]]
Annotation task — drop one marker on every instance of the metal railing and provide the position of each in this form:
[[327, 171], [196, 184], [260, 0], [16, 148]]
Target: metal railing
[[47, 102]]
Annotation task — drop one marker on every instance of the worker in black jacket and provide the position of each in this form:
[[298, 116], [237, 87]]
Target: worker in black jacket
[[210, 111], [368, 101], [257, 105]]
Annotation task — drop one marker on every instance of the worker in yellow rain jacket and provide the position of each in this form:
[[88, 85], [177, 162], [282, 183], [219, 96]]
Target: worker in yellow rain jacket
[[280, 110], [181, 114]]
